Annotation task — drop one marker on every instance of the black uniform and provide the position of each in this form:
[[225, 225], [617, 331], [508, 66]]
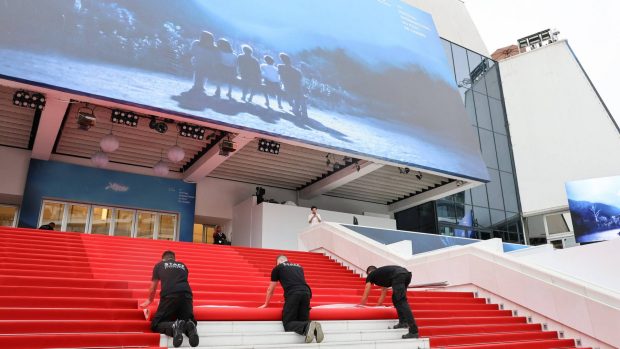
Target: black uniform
[[398, 278], [297, 295], [176, 300]]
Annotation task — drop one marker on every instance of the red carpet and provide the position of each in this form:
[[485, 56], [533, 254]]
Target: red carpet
[[57, 286]]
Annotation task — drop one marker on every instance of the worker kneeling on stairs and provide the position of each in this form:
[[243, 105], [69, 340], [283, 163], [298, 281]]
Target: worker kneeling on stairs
[[297, 295]]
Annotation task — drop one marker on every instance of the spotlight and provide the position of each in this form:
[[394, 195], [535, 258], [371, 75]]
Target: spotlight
[[192, 131], [124, 118], [268, 146], [30, 100], [357, 167], [86, 118], [418, 175], [260, 195], [404, 170], [158, 126]]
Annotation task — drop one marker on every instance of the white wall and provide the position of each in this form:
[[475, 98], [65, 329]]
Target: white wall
[[13, 172], [560, 130], [453, 22], [595, 263]]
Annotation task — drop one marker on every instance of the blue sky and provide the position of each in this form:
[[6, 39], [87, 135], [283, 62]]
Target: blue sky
[[605, 190]]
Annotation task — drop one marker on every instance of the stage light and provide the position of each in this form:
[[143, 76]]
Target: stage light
[[404, 170], [86, 118], [268, 146], [124, 118], [418, 175], [192, 131], [158, 126], [28, 99]]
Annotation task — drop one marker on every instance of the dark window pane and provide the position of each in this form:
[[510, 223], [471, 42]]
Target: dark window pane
[[470, 107], [459, 197], [497, 116], [510, 193], [421, 218], [503, 153], [479, 196], [483, 113], [482, 217], [492, 81], [497, 216], [446, 211], [511, 215], [494, 190], [487, 146], [465, 215]]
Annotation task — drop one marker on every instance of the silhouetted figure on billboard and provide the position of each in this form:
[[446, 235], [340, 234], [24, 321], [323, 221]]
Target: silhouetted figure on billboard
[[204, 56], [271, 79], [226, 68], [249, 71], [292, 81]]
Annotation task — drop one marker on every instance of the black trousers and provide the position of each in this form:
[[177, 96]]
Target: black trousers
[[296, 313], [399, 298], [173, 307]]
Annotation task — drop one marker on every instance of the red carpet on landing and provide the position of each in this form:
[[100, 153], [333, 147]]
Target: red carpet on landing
[[75, 290]]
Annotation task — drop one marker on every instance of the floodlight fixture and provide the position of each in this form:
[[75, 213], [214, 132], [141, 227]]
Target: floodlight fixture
[[268, 146], [192, 131], [29, 99], [123, 117]]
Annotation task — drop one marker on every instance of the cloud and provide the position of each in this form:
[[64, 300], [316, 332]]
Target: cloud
[[117, 187]]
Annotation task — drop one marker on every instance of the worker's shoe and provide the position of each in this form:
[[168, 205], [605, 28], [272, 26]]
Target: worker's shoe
[[411, 335], [178, 327], [400, 325], [318, 332], [310, 331], [192, 333]]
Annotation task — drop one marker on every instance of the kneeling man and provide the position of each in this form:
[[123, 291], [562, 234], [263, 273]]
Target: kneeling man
[[297, 294]]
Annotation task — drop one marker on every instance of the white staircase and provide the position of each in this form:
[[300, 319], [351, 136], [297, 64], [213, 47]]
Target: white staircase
[[359, 334]]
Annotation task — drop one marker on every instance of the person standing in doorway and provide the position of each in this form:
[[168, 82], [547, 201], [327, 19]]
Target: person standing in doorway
[[175, 313], [314, 217], [219, 238], [297, 295], [48, 226], [398, 278]]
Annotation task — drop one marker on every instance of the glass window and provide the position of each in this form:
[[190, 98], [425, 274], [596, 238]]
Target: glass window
[[503, 153], [446, 46], [101, 220], [8, 216], [475, 60], [461, 67], [497, 216], [123, 224], [146, 225], [483, 114], [167, 227], [510, 192], [497, 116], [481, 217], [494, 189], [487, 145], [53, 212], [479, 196], [492, 80], [445, 211], [470, 108], [467, 197], [76, 220]]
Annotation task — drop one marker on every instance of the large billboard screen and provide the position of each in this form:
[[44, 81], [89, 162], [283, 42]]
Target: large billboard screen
[[595, 208], [367, 77]]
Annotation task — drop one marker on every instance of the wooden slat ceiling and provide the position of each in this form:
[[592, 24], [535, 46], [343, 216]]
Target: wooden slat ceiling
[[386, 185], [15, 122], [139, 146]]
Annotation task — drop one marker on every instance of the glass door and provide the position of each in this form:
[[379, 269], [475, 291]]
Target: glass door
[[167, 226], [8, 216], [77, 218], [146, 225], [53, 212], [101, 220], [123, 223]]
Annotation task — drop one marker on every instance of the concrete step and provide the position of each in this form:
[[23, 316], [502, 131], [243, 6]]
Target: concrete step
[[270, 334], [211, 327]]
